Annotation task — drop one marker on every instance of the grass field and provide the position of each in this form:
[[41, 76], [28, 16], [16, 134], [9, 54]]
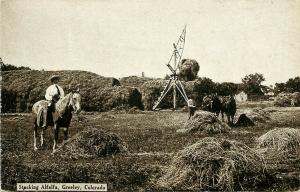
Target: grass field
[[151, 138]]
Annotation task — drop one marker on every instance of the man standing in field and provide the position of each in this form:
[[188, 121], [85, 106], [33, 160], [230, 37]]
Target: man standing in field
[[191, 108], [53, 93]]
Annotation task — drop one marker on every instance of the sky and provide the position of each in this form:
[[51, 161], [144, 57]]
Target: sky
[[228, 38]]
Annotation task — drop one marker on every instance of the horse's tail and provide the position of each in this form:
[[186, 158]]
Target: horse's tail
[[41, 115], [38, 118]]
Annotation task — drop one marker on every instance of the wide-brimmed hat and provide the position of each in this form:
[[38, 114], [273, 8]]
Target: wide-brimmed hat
[[53, 77]]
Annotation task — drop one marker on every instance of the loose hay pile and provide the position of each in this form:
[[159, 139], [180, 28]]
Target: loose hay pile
[[287, 99], [257, 115], [280, 141], [244, 121], [92, 143], [216, 165], [204, 122]]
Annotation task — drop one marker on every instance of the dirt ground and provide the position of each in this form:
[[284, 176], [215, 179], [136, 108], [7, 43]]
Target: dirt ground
[[151, 138]]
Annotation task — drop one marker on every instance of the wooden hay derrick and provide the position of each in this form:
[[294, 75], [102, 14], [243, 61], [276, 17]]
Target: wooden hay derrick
[[174, 83]]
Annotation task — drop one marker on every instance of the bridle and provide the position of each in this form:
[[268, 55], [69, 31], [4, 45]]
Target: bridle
[[73, 104]]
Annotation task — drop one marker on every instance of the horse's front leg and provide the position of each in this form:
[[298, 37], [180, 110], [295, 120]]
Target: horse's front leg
[[42, 137], [55, 131], [222, 113], [65, 133], [228, 119]]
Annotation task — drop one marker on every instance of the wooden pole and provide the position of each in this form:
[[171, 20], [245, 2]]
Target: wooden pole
[[174, 82]]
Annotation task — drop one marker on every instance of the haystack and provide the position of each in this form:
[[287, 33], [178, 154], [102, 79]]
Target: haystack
[[25, 87], [280, 141], [204, 122], [287, 99], [216, 165], [92, 143], [134, 81], [120, 97]]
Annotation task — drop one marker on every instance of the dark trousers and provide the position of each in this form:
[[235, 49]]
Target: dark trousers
[[50, 110], [191, 111]]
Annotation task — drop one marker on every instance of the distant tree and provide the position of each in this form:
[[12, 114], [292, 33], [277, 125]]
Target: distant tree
[[252, 84], [9, 67], [292, 85], [226, 88], [205, 86]]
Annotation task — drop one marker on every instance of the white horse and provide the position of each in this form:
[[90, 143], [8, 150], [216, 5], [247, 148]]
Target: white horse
[[61, 117]]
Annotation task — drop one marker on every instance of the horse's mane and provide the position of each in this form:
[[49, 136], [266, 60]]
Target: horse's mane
[[61, 105]]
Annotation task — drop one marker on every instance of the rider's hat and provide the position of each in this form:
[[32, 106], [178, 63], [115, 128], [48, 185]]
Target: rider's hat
[[53, 77]]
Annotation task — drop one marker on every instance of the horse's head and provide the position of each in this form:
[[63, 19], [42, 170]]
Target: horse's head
[[75, 102]]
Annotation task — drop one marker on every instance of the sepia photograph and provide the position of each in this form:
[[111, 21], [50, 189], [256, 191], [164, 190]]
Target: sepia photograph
[[150, 95]]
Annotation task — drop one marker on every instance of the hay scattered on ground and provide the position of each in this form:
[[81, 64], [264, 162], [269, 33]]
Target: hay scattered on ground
[[216, 165], [244, 121], [92, 143], [287, 99], [280, 141], [204, 122]]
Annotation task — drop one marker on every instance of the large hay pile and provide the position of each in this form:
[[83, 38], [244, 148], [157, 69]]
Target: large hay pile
[[280, 141], [120, 97], [92, 143], [204, 122], [287, 99], [134, 81], [22, 88], [215, 165], [188, 69]]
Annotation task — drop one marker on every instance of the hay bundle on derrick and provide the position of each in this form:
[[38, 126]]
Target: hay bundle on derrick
[[92, 143], [287, 99], [188, 69], [216, 165], [280, 141], [204, 122], [120, 97]]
